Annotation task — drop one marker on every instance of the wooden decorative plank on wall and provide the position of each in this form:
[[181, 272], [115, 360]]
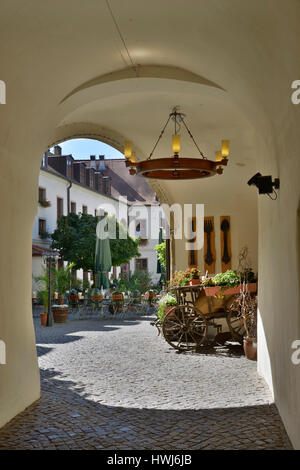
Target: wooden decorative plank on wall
[[209, 267], [192, 254], [225, 228]]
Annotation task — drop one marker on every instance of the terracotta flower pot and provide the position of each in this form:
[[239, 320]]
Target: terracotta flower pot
[[168, 308], [60, 313], [97, 297], [117, 296], [194, 282], [250, 348], [218, 290], [43, 319], [73, 297]]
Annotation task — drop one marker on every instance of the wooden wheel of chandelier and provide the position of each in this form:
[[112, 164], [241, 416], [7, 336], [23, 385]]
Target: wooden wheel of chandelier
[[176, 167]]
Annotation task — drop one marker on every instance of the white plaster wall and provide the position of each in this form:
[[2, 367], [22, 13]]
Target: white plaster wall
[[57, 187], [152, 215]]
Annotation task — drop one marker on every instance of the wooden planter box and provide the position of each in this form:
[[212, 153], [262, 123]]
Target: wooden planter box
[[194, 282], [217, 290]]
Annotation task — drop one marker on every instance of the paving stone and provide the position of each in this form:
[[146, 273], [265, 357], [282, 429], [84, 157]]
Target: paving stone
[[114, 384]]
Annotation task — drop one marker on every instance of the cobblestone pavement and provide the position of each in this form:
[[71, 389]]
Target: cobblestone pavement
[[117, 385]]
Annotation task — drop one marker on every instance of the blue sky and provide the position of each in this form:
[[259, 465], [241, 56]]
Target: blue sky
[[83, 148]]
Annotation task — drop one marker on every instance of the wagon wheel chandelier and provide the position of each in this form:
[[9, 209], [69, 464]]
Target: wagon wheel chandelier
[[176, 167]]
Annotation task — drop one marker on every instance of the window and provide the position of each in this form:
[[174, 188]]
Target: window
[[73, 207], [69, 168], [84, 209], [141, 232], [60, 207], [141, 264], [42, 228], [42, 194], [45, 160]]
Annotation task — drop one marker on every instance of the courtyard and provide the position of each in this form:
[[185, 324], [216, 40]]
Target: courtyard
[[114, 384]]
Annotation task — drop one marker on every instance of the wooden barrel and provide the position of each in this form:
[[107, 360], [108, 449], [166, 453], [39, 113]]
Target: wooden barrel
[[60, 313]]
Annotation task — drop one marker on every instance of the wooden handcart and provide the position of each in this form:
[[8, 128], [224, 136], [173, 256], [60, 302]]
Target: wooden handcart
[[185, 327]]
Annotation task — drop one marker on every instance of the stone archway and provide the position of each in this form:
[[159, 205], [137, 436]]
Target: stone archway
[[233, 47]]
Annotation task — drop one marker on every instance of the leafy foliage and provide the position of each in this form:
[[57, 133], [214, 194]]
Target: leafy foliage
[[43, 286], [231, 278], [139, 281], [62, 278], [161, 253], [75, 239], [165, 301]]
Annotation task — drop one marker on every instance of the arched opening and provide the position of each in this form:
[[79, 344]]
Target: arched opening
[[230, 77], [85, 176]]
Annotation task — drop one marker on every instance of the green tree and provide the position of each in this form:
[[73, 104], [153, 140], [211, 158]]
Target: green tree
[[75, 239]]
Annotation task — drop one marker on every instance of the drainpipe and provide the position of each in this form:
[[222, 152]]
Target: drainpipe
[[68, 196], [168, 267]]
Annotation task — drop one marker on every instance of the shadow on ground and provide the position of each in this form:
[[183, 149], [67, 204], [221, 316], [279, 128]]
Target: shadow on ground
[[64, 418], [62, 332]]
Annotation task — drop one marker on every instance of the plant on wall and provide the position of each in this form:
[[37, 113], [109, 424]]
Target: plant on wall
[[161, 253]]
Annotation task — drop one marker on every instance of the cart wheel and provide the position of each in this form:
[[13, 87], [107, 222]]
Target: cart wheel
[[184, 328], [236, 326]]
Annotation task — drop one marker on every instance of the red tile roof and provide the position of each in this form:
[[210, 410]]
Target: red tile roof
[[39, 250]]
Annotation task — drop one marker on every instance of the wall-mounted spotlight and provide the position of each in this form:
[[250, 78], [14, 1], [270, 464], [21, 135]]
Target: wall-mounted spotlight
[[265, 184]]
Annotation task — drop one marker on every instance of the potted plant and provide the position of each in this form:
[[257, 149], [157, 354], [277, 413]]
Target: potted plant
[[116, 295], [180, 278], [44, 203], [165, 304], [245, 307], [195, 276], [43, 296], [73, 297], [61, 282], [43, 234], [228, 283]]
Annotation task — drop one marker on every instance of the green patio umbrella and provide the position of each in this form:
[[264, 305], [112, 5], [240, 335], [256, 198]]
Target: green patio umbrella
[[102, 261], [160, 268]]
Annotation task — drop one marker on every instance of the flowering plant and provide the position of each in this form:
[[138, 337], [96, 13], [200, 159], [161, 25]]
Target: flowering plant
[[195, 273], [180, 278]]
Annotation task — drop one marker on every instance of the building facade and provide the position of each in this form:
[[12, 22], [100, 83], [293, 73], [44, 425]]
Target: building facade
[[67, 185]]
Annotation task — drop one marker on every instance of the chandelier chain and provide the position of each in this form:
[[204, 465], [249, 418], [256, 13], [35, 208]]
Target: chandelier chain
[[160, 136], [188, 130], [191, 136]]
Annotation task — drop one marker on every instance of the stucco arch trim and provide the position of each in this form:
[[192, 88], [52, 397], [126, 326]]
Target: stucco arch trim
[[88, 130], [145, 71]]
